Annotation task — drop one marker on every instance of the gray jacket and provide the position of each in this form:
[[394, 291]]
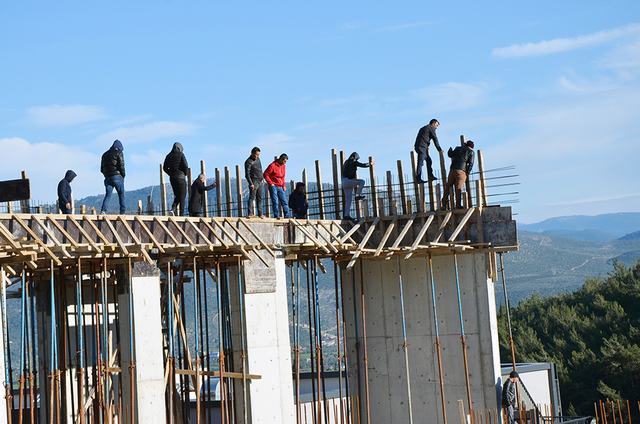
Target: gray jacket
[[253, 170], [509, 394]]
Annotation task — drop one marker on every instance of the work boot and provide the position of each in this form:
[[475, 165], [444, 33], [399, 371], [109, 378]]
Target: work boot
[[432, 178], [360, 197]]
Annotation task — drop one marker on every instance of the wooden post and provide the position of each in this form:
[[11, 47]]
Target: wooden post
[[149, 205], [439, 196], [463, 418], [239, 190], [482, 179], [319, 188], [185, 211], [40, 209], [336, 183], [304, 179], [380, 211], [374, 196], [403, 194], [24, 204], [340, 178], [203, 170], [418, 193], [83, 209], [468, 182], [443, 168], [94, 211], [163, 192], [227, 189], [218, 193], [139, 207], [390, 193]]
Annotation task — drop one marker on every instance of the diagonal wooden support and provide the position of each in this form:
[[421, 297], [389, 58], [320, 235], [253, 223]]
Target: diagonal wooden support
[[51, 235], [462, 223], [105, 240], [205, 239], [404, 232], [81, 231], [443, 225], [146, 229], [166, 231], [135, 239], [311, 237], [323, 237], [421, 234], [181, 231], [385, 237], [328, 230], [363, 243], [116, 236], [213, 232], [38, 241], [246, 242], [253, 233], [351, 231]]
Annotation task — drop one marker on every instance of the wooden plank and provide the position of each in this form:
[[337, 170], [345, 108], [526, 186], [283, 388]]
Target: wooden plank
[[68, 236], [421, 234], [403, 193], [311, 237], [419, 199], [363, 243], [166, 230], [163, 192], [461, 224], [340, 164], [205, 239], [390, 193], [203, 170], [351, 231], [253, 233], [38, 241], [95, 228], [443, 168], [135, 239], [24, 203], [328, 230], [385, 237], [336, 183], [483, 185], [374, 195], [144, 227], [116, 236], [50, 233], [443, 225], [239, 191], [213, 231], [227, 189], [218, 211], [404, 231], [319, 188], [181, 231]]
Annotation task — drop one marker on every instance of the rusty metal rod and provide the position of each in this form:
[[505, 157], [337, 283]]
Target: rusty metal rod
[[434, 307]]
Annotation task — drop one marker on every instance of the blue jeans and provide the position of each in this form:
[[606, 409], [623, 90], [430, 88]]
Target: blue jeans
[[117, 182], [278, 198]]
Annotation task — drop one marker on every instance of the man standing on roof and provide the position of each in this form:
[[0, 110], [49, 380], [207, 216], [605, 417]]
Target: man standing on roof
[[275, 178], [112, 167], [423, 139], [64, 192], [198, 191], [509, 402], [350, 182], [461, 165], [175, 165], [253, 174]]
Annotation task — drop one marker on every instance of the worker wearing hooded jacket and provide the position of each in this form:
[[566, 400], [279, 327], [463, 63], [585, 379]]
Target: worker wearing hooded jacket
[[64, 192], [350, 182], [112, 167], [175, 165], [461, 165], [274, 175]]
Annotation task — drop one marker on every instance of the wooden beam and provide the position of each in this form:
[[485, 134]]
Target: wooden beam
[[227, 189], [421, 234], [443, 225], [363, 243], [38, 240], [374, 195], [163, 192], [385, 237], [336, 183], [218, 211], [116, 236], [239, 191], [319, 188], [483, 185], [403, 193], [143, 225], [461, 224], [404, 232]]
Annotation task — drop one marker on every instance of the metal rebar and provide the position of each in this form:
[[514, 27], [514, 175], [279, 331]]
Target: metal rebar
[[405, 346], [196, 292], [170, 366], [132, 363], [80, 332], [443, 401], [335, 281], [243, 342], [23, 335], [311, 345], [5, 347], [220, 344], [463, 339]]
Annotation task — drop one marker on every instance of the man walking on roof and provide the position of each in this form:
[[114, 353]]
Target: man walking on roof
[[175, 165], [275, 178], [112, 167], [423, 139], [253, 174], [64, 192]]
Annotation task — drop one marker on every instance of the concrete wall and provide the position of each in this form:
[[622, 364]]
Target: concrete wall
[[386, 362]]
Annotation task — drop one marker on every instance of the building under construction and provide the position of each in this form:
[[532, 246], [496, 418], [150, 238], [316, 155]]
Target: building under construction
[[151, 318]]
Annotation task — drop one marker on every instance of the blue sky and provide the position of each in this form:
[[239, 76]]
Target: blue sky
[[550, 87]]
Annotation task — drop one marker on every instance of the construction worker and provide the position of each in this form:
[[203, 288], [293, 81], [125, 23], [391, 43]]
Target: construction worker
[[461, 165], [423, 139], [509, 402], [350, 182], [253, 174], [64, 193], [274, 175], [298, 202], [112, 167], [198, 191], [175, 165]]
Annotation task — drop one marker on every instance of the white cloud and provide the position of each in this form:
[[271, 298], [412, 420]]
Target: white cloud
[[64, 115], [452, 96], [558, 45], [404, 26], [46, 164], [624, 59], [147, 132]]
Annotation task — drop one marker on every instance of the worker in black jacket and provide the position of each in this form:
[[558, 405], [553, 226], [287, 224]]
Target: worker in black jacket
[[198, 192], [112, 167], [64, 192], [253, 174], [509, 401], [350, 182], [175, 165], [298, 202], [423, 139], [461, 165]]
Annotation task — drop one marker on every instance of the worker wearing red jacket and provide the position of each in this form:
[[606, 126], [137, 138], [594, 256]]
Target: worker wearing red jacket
[[274, 175]]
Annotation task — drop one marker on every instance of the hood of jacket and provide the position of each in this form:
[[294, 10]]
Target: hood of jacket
[[117, 145], [354, 156], [177, 147], [70, 175]]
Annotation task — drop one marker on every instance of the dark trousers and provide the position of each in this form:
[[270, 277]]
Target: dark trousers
[[422, 157], [117, 182], [255, 195], [179, 187], [511, 414]]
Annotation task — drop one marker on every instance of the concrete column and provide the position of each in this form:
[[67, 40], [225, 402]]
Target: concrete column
[[266, 327], [386, 365], [146, 327]]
